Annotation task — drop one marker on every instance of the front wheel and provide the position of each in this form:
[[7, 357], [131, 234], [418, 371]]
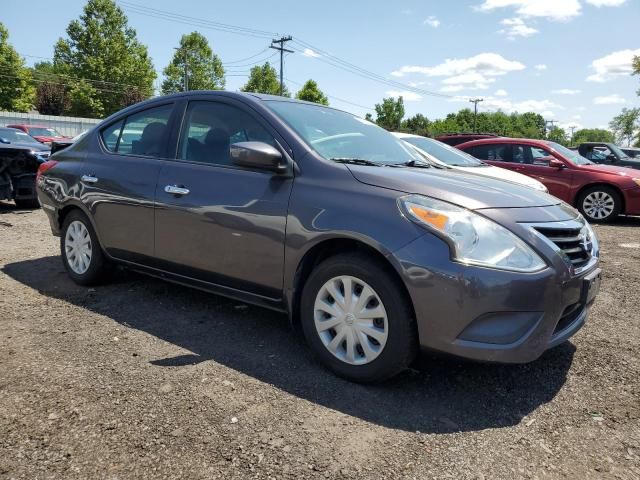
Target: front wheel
[[357, 319], [600, 204], [80, 250]]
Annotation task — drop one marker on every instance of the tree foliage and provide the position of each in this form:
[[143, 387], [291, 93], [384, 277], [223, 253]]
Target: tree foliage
[[311, 93], [389, 113], [625, 124], [593, 135], [51, 97], [418, 125], [558, 135], [522, 125], [264, 79], [101, 60], [16, 90], [636, 71], [204, 68]]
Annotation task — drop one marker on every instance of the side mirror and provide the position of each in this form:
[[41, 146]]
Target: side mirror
[[4, 140], [555, 163], [612, 158], [258, 155]]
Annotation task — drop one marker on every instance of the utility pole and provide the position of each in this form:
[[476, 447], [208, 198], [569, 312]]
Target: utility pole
[[475, 102], [547, 122], [281, 42], [572, 128]]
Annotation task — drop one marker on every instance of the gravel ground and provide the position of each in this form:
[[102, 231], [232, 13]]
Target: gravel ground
[[145, 379]]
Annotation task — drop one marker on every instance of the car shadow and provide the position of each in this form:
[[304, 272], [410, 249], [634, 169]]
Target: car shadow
[[440, 395]]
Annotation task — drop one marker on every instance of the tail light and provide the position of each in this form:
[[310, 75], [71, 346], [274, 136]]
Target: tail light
[[48, 165]]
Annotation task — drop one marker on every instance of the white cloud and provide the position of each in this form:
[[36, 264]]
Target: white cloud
[[613, 65], [473, 73], [565, 91], [501, 93], [613, 99], [540, 67], [515, 27], [489, 64], [310, 53], [606, 3], [432, 21], [552, 9], [406, 95]]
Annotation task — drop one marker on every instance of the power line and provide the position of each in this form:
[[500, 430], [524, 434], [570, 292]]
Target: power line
[[336, 98], [247, 58]]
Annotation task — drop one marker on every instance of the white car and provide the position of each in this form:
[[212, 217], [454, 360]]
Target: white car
[[444, 155]]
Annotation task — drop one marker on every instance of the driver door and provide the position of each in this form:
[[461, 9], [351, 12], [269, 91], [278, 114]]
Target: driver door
[[227, 227], [535, 163]]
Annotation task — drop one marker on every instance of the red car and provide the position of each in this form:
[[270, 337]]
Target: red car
[[41, 133], [455, 139], [600, 192]]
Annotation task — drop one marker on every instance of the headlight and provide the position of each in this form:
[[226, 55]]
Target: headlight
[[474, 239]]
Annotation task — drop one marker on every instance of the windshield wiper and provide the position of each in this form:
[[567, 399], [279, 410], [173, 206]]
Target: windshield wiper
[[356, 161]]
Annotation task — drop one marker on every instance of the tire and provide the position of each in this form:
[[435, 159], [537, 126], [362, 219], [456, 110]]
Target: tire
[[393, 353], [600, 204], [89, 271], [30, 203]]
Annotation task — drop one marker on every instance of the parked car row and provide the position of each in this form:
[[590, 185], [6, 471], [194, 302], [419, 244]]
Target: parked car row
[[599, 192], [374, 247]]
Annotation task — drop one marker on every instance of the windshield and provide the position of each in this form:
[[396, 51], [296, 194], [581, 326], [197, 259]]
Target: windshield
[[17, 136], [43, 132], [443, 152], [572, 155], [339, 135], [617, 151]]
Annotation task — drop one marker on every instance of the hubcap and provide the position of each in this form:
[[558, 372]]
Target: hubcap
[[77, 247], [598, 205], [351, 320]]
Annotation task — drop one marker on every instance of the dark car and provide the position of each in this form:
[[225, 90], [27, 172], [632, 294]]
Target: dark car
[[312, 211], [632, 152], [600, 192], [607, 154], [454, 139], [20, 157]]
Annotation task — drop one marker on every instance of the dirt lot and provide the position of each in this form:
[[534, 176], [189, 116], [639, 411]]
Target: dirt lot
[[144, 379]]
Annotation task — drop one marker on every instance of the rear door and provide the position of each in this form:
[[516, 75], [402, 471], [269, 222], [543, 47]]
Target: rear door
[[227, 227], [497, 154], [119, 178]]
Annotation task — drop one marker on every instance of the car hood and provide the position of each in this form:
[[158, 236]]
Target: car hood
[[611, 169], [38, 147], [466, 190], [503, 174]]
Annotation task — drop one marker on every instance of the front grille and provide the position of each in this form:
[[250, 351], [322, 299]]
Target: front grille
[[575, 243]]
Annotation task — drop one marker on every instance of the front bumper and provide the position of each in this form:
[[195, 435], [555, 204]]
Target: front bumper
[[487, 314]]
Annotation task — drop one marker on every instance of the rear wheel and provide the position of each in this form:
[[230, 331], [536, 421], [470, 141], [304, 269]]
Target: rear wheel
[[357, 319], [80, 250], [600, 204]]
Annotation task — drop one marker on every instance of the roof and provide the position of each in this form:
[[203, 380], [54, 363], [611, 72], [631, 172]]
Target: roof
[[494, 140]]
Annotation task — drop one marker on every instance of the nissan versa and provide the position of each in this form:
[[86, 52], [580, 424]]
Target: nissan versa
[[314, 212]]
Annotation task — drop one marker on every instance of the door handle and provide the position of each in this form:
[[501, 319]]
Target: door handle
[[175, 190], [89, 179]]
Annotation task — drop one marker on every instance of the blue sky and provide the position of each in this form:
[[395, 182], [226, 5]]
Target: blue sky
[[566, 59]]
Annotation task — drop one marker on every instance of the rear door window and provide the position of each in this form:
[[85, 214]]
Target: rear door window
[[497, 152], [143, 133]]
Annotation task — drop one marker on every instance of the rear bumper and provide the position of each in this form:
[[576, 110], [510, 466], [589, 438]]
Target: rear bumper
[[485, 314]]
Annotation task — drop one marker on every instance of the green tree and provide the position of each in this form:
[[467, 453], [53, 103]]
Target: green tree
[[369, 117], [625, 124], [418, 125], [204, 68], [593, 135], [389, 113], [558, 135], [636, 71], [16, 91], [264, 79], [51, 97], [102, 60], [311, 93]]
